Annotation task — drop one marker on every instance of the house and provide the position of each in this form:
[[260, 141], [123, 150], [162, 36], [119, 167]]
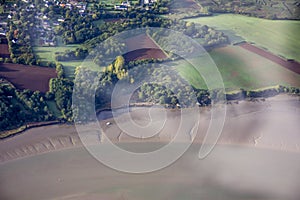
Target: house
[[126, 3], [124, 6], [2, 32]]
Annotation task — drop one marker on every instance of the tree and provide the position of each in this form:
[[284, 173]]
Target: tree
[[119, 63]]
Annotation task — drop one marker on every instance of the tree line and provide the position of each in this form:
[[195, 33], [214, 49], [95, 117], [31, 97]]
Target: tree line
[[20, 107]]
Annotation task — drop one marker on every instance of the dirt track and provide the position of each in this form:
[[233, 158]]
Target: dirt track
[[27, 77], [291, 65]]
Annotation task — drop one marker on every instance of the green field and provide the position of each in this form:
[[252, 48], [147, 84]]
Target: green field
[[279, 36], [240, 69], [48, 54], [53, 108], [69, 67]]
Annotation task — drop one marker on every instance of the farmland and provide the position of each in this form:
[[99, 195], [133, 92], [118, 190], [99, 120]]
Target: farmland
[[279, 37], [184, 5], [142, 47], [289, 64], [4, 52], [47, 54], [241, 68], [27, 77]]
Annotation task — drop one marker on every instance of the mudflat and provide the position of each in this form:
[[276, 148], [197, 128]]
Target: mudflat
[[257, 157], [270, 123]]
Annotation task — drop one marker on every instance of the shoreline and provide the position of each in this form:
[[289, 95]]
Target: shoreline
[[263, 117]]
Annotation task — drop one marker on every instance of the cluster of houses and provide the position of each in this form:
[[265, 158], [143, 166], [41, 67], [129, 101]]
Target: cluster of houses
[[149, 2], [3, 27], [123, 6], [44, 31], [126, 4], [81, 6]]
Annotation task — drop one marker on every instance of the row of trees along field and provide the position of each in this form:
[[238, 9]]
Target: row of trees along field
[[270, 9], [20, 107], [209, 37], [61, 91], [165, 87], [19, 38]]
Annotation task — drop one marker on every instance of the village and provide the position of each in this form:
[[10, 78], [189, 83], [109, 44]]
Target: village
[[46, 22]]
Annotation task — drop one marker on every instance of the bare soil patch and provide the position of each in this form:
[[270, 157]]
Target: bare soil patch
[[291, 65], [27, 77]]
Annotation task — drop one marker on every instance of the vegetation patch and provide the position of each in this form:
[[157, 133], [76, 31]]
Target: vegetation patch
[[18, 108]]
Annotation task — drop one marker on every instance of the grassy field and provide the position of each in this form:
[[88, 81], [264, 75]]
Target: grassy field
[[48, 54], [53, 108], [69, 67], [240, 69], [280, 37]]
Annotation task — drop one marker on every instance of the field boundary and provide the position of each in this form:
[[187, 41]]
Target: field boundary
[[291, 64]]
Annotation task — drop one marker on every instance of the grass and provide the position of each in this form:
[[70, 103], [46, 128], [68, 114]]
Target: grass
[[98, 22], [239, 69], [53, 108], [69, 67], [279, 36], [1, 9], [48, 54]]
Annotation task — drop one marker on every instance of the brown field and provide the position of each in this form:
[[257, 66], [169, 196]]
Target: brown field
[[143, 54], [185, 4], [142, 47], [113, 20], [4, 53], [27, 77], [291, 65]]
